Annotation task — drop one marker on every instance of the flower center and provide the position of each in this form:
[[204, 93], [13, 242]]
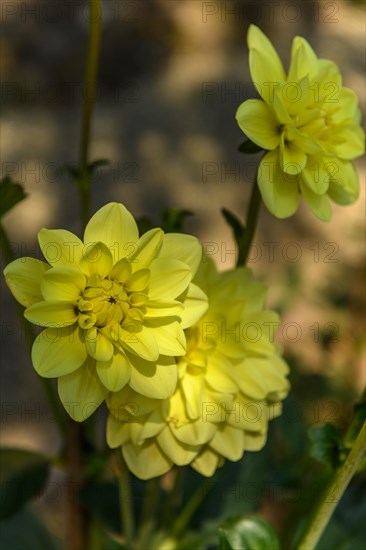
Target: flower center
[[107, 303]]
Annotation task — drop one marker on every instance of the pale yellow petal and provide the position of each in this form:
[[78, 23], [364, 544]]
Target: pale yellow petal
[[265, 65], [116, 228], [58, 351], [99, 346], [206, 462], [344, 185], [115, 373], [279, 190], [139, 341], [193, 386], [158, 309], [60, 247], [197, 432], [51, 314], [81, 392], [63, 283], [146, 461], [185, 248], [169, 278], [97, 258], [148, 248], [170, 338], [318, 204], [292, 158], [260, 123], [195, 304], [23, 277], [180, 453], [304, 61], [155, 380], [228, 442], [117, 433]]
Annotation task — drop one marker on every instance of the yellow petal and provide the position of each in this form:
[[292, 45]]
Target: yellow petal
[[195, 304], [154, 380], [304, 61], [228, 442], [118, 433], [99, 346], [96, 259], [206, 462], [60, 247], [51, 314], [266, 67], [146, 461], [344, 184], [315, 175], [23, 277], [318, 204], [254, 441], [292, 159], [148, 247], [185, 248], [169, 278], [57, 352], [139, 341], [138, 281], [116, 228], [279, 191], [180, 453], [192, 386], [155, 310], [259, 122], [63, 283], [153, 425], [115, 373], [197, 432], [170, 338], [353, 144], [81, 392]]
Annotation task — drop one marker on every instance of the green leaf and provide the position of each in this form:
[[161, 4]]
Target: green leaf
[[23, 475], [326, 444], [235, 224], [10, 194], [249, 148], [173, 219], [247, 533]]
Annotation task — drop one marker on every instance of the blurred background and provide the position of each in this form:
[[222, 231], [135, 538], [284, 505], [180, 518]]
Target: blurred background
[[172, 74]]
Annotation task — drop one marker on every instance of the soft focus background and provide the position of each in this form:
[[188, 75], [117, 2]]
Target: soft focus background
[[172, 75]]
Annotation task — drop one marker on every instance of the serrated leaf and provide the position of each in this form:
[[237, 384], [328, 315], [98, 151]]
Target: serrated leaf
[[10, 194], [326, 444], [23, 475], [235, 224], [173, 219], [247, 533], [248, 147]]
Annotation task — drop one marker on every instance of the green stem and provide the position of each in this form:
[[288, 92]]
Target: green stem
[[251, 224], [334, 493], [172, 498], [30, 336], [148, 516], [95, 31], [192, 505], [125, 500]]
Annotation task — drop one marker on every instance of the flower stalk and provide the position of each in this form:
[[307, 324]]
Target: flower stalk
[[95, 30], [334, 493], [252, 219], [125, 500]]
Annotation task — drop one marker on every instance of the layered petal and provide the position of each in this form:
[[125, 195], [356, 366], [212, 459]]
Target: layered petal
[[23, 277]]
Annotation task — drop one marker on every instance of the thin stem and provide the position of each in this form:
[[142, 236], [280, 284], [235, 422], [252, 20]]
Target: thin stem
[[251, 224], [95, 30], [125, 500], [172, 498], [77, 523], [30, 336], [334, 493], [148, 516]]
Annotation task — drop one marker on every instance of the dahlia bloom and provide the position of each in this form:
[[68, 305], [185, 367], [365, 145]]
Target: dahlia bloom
[[115, 307], [310, 125], [231, 382]]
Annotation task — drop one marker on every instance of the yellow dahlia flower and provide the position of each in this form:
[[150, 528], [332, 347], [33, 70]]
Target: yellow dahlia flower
[[231, 382], [308, 122], [115, 307]]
